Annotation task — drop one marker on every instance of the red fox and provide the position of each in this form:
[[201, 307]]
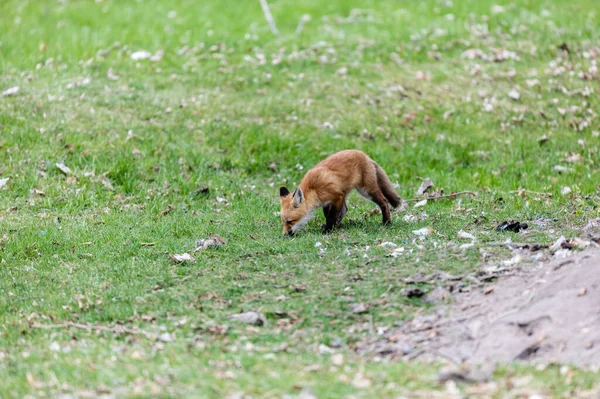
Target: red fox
[[328, 184]]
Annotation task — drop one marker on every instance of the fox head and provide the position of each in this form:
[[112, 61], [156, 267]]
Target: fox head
[[294, 212]]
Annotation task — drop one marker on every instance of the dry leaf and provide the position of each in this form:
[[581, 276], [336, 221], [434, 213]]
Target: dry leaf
[[306, 393], [35, 191], [424, 232], [337, 359], [514, 94], [63, 168], [165, 337], [141, 55], [426, 185], [562, 169], [10, 92], [420, 75], [222, 201], [558, 243], [157, 56], [170, 208], [110, 75], [515, 260], [250, 317], [185, 257], [4, 181], [359, 308], [214, 241], [397, 252], [54, 346], [420, 203], [106, 183], [299, 288], [465, 235], [360, 381]]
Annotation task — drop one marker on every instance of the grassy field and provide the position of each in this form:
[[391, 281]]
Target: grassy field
[[500, 99]]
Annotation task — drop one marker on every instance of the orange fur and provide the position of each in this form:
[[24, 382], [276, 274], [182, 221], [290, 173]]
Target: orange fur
[[328, 184]]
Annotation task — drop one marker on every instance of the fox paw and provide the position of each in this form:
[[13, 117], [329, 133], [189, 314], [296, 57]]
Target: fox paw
[[325, 229]]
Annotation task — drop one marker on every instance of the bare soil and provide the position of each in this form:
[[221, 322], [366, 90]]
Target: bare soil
[[545, 312]]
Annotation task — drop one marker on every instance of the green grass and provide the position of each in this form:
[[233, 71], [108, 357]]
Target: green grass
[[226, 101]]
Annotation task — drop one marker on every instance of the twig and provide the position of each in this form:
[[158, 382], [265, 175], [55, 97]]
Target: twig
[[531, 192], [371, 327], [303, 20], [269, 17], [513, 244], [114, 330], [452, 195]]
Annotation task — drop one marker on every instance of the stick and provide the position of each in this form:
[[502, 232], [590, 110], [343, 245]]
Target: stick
[[531, 192], [305, 18], [265, 7], [114, 330], [474, 194]]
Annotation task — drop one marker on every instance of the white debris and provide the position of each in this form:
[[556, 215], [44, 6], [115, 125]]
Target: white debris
[[10, 92], [63, 168], [214, 241], [185, 257], [157, 56], [465, 235], [424, 232], [141, 55], [562, 169], [515, 260], [514, 94], [165, 337], [562, 253], [467, 246], [426, 185], [558, 243], [497, 9], [421, 203], [397, 252]]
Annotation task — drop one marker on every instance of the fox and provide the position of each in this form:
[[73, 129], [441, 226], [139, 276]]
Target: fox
[[328, 184]]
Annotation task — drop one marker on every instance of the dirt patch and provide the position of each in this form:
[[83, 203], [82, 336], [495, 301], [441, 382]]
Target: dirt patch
[[549, 312]]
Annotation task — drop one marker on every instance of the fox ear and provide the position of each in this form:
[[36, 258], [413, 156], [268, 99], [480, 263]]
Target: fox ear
[[298, 197], [283, 191]]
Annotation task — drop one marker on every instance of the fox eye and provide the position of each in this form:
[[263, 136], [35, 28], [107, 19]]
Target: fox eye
[[290, 222]]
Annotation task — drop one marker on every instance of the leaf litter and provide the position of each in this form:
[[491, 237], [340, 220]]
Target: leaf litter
[[181, 258], [214, 241], [250, 317]]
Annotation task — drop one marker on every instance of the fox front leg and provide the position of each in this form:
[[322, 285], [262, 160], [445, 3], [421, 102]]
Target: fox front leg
[[334, 213]]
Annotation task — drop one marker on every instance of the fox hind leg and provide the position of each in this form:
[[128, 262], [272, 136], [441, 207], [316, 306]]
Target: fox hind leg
[[374, 193], [386, 187], [380, 200]]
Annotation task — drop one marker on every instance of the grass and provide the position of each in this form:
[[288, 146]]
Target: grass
[[233, 109]]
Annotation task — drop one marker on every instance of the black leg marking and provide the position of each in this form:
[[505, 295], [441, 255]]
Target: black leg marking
[[342, 213]]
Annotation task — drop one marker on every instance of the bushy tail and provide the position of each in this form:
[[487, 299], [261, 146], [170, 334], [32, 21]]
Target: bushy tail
[[386, 187]]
